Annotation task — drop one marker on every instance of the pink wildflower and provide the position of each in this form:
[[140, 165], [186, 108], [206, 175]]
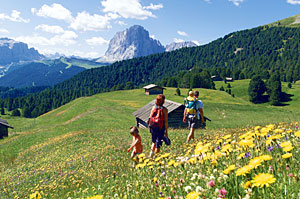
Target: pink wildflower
[[223, 191], [211, 183]]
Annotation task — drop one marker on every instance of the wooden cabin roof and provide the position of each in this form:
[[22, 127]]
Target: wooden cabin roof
[[152, 86], [4, 122], [144, 112]]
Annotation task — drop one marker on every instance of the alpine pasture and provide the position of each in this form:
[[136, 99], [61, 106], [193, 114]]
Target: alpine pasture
[[80, 150]]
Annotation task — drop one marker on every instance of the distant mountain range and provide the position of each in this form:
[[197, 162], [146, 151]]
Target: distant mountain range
[[12, 52], [178, 45], [136, 42], [44, 72]]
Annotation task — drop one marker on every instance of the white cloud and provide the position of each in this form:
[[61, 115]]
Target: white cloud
[[65, 39], [4, 31], [126, 9], [87, 54], [153, 7], [86, 22], [294, 2], [182, 33], [152, 36], [50, 29], [178, 40], [14, 16], [236, 2], [207, 1], [95, 41], [196, 42], [56, 11], [121, 23]]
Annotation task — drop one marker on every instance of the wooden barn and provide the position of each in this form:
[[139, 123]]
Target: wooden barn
[[175, 114], [216, 78], [4, 128], [153, 89]]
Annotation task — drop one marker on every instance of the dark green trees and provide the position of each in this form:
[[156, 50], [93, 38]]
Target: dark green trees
[[256, 89], [178, 92], [274, 89], [16, 112]]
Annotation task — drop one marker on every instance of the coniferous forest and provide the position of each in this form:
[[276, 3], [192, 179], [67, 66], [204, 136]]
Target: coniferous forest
[[240, 55]]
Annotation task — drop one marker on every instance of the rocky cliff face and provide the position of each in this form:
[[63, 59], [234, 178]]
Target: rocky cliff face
[[12, 52], [175, 46], [133, 42]]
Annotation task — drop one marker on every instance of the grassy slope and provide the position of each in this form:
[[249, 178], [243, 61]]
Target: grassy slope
[[90, 136], [287, 22]]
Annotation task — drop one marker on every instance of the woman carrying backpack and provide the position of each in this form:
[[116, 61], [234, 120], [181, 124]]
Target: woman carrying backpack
[[158, 124]]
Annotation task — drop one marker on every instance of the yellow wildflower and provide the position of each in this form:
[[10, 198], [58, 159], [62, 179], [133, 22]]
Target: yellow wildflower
[[192, 160], [171, 162], [266, 157], [193, 195], [247, 185], [244, 170], [226, 137], [255, 162], [226, 148], [286, 144], [142, 155], [263, 179], [95, 197], [287, 149], [35, 195], [165, 155], [297, 134], [230, 168], [287, 155]]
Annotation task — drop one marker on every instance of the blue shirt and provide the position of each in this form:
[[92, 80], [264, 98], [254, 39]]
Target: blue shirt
[[199, 105]]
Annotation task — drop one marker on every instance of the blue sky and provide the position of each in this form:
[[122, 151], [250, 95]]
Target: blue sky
[[83, 28]]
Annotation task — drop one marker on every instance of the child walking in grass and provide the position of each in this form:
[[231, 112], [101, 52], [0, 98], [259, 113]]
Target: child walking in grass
[[136, 142]]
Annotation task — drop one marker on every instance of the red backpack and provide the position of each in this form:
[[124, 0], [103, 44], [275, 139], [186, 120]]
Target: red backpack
[[156, 118]]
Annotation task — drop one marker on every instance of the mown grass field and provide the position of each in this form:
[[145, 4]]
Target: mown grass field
[[80, 150]]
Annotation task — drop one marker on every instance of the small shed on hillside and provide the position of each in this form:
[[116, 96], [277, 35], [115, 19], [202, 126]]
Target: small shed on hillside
[[216, 78], [4, 128], [153, 89], [175, 114], [229, 79]]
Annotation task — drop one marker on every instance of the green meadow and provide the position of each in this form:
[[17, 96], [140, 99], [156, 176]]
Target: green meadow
[[80, 149]]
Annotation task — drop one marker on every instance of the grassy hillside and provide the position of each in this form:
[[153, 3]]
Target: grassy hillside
[[80, 149], [293, 21]]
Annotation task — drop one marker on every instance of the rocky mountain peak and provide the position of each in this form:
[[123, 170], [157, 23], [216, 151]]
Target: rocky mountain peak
[[12, 51], [133, 42], [177, 45]]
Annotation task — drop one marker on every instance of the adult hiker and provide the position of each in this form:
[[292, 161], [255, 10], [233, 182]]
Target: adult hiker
[[192, 112], [158, 124], [199, 108]]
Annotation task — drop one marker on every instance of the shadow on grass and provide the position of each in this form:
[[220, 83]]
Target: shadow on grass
[[285, 98]]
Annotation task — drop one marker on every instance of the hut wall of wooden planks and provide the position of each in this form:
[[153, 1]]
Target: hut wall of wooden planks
[[4, 128], [175, 114], [153, 89]]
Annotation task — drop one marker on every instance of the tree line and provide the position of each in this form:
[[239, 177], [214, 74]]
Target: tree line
[[240, 55]]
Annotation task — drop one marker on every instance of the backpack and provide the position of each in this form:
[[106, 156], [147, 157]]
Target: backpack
[[156, 118], [191, 105]]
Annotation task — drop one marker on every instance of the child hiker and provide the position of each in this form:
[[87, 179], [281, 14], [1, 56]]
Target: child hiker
[[136, 142]]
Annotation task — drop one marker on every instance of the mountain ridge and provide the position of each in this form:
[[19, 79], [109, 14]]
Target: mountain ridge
[[134, 42], [12, 51]]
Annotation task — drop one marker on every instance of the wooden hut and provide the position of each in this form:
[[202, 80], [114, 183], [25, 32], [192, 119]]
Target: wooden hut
[[216, 78], [175, 114], [229, 79], [153, 89], [4, 128]]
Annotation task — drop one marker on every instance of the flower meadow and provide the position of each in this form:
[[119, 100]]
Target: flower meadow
[[258, 162]]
